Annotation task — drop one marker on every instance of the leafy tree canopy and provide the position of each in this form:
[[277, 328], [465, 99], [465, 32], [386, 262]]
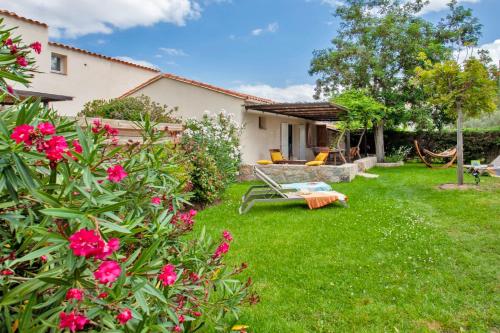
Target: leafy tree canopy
[[364, 110], [129, 108]]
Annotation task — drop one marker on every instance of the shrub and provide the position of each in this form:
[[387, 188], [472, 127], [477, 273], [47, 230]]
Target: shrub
[[95, 237], [398, 154], [213, 146], [129, 108]]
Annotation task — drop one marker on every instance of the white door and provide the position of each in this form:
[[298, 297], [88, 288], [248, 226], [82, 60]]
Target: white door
[[302, 142], [284, 140]]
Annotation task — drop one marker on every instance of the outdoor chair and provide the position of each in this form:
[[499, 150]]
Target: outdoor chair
[[277, 158], [275, 192]]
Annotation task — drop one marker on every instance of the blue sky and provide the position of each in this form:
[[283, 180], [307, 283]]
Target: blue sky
[[257, 46]]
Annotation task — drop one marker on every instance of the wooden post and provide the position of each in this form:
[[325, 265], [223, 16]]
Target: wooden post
[[348, 145], [365, 141], [460, 146], [379, 141]]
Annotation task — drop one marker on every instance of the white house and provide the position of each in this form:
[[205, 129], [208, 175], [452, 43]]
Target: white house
[[69, 77]]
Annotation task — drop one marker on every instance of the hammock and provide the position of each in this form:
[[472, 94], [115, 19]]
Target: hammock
[[449, 153]]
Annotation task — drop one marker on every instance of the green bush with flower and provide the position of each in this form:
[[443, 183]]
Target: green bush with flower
[[93, 236], [213, 145]]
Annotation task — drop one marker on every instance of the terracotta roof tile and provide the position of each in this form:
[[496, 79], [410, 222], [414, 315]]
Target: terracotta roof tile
[[22, 18], [198, 84], [76, 49]]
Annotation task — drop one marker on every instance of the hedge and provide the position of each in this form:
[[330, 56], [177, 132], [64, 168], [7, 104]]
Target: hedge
[[478, 145]]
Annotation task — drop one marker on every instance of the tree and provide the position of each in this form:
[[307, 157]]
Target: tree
[[364, 110], [129, 108], [458, 89], [376, 49]]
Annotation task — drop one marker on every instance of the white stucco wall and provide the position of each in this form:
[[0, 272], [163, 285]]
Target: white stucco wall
[[192, 101], [256, 142], [88, 77]]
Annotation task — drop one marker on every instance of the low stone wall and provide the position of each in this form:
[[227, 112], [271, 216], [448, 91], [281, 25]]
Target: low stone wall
[[366, 163], [289, 173], [390, 164]]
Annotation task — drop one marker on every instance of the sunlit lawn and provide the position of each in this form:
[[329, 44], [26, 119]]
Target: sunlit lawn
[[404, 257]]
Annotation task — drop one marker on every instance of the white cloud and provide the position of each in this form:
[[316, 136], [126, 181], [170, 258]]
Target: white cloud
[[439, 5], [493, 48], [137, 62], [69, 18], [292, 93], [173, 52], [271, 28]]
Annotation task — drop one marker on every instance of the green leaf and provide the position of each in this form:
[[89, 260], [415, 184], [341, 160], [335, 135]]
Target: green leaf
[[18, 293], [24, 172], [146, 255], [37, 254], [114, 227], [62, 213], [46, 198]]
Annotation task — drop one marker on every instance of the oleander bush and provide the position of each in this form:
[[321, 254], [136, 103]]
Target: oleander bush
[[96, 237], [129, 108], [213, 144]]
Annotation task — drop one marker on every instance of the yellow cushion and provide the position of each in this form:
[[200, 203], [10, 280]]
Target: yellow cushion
[[264, 162], [315, 163], [276, 156], [321, 157]]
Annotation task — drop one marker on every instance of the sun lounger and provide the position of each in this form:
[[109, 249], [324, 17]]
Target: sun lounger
[[275, 192]]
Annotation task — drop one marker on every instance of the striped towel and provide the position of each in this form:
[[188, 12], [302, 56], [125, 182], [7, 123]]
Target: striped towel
[[319, 199]]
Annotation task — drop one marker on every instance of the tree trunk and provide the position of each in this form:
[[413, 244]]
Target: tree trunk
[[348, 145], [379, 141], [460, 147]]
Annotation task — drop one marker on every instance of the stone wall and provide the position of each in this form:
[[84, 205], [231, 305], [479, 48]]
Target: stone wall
[[366, 163], [289, 173]]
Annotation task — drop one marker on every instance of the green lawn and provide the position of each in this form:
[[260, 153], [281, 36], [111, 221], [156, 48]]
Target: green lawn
[[404, 257]]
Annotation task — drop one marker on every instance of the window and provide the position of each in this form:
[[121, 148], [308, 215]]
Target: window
[[262, 123], [58, 63]]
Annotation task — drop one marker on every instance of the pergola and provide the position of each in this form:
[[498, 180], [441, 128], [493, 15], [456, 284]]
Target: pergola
[[45, 98], [319, 111]]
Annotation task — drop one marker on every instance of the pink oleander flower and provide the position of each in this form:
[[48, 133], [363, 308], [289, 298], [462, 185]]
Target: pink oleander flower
[[37, 47], [193, 212], [194, 277], [6, 272], [86, 243], [74, 293], [73, 321], [43, 258], [108, 248], [23, 133], [10, 90], [13, 49], [108, 272], [46, 128], [110, 130], [77, 146], [227, 236], [156, 200], [96, 126], [223, 248], [197, 314], [181, 319], [21, 61], [124, 316], [116, 173], [168, 275], [8, 42], [55, 147], [103, 295], [177, 329]]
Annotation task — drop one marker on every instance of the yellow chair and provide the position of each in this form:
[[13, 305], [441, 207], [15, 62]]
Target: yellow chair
[[320, 158], [315, 163]]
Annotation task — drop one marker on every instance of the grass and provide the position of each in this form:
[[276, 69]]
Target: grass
[[404, 257]]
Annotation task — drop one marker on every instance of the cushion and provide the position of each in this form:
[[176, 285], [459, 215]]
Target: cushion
[[321, 157], [264, 162], [315, 163], [276, 156]]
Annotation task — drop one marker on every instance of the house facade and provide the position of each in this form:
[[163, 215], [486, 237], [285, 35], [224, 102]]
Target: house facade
[[81, 76]]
